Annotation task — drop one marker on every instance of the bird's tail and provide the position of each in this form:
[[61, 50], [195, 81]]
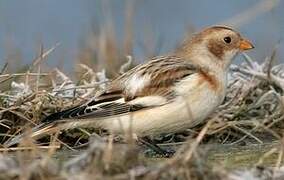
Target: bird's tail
[[35, 133], [50, 124]]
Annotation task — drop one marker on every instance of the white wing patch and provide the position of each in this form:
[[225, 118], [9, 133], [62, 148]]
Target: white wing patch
[[149, 101], [98, 106], [136, 83]]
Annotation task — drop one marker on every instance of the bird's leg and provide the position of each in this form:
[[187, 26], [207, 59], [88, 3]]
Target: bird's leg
[[152, 145]]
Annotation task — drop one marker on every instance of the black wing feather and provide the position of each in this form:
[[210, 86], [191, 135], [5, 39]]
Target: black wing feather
[[97, 111]]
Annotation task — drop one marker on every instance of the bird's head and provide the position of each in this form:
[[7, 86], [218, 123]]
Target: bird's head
[[214, 46]]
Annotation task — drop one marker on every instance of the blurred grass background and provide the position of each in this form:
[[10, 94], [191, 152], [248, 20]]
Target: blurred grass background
[[89, 30], [101, 33]]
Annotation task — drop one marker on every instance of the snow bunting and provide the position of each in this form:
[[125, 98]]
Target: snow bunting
[[166, 94]]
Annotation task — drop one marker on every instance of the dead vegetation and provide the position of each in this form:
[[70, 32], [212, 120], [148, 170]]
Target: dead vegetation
[[252, 113]]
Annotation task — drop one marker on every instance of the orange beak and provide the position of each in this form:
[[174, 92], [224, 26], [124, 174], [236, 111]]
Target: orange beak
[[245, 45]]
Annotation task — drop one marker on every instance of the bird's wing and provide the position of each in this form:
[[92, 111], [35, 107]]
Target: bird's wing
[[144, 86]]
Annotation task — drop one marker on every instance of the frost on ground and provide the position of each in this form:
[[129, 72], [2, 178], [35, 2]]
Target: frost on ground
[[251, 114]]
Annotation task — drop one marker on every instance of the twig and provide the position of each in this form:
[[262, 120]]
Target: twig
[[4, 68], [198, 139], [24, 74], [28, 148], [94, 85], [248, 133], [42, 56]]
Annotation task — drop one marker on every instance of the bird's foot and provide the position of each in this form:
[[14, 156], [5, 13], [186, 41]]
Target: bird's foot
[[165, 153], [155, 150]]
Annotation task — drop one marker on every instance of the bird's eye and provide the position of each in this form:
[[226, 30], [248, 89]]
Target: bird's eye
[[227, 39]]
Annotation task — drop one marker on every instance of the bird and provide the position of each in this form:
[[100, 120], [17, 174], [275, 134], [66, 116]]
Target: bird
[[166, 94]]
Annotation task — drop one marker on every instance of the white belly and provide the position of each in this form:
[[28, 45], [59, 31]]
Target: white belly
[[196, 102]]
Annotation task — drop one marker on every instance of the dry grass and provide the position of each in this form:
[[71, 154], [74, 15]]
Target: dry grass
[[252, 113]]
